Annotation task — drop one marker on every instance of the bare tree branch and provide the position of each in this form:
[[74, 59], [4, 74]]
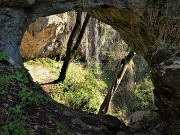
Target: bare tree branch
[[120, 70]]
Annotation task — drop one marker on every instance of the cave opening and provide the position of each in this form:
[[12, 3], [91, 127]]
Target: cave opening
[[101, 45]]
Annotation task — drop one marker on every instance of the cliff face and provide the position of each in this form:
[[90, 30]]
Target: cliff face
[[46, 36], [150, 28]]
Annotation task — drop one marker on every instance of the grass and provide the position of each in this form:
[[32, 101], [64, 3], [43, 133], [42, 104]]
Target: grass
[[81, 90]]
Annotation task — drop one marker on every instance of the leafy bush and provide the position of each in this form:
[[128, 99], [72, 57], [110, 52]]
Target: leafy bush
[[80, 90], [3, 56], [143, 95], [139, 98], [14, 128]]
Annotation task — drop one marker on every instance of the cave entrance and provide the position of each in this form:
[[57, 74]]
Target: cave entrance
[[141, 26], [100, 50]]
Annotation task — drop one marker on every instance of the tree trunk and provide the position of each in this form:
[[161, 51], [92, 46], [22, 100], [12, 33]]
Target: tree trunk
[[118, 76], [68, 56], [64, 69], [74, 33], [80, 36], [71, 50]]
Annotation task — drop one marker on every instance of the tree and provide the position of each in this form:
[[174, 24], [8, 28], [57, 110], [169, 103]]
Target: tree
[[118, 76], [71, 50]]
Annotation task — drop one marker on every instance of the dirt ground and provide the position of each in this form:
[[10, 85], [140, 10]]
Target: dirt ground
[[41, 74]]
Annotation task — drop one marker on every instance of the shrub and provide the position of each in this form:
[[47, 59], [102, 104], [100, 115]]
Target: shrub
[[3, 56], [143, 95], [81, 90], [139, 98]]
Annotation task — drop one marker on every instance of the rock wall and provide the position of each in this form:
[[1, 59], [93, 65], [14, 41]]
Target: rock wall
[[150, 27], [47, 36]]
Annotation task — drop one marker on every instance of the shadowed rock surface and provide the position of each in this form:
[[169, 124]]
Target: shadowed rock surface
[[44, 115], [46, 36], [150, 28]]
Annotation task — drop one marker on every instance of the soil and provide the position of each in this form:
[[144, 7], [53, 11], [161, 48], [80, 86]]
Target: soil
[[22, 112], [41, 74], [45, 116]]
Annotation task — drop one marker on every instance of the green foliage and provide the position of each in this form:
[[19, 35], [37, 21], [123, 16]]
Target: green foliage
[[146, 123], [13, 128], [14, 122], [80, 90], [141, 68], [16, 109], [143, 97], [139, 98], [176, 125], [22, 75], [5, 79], [149, 121], [2, 92], [3, 56], [48, 62], [62, 129], [29, 98]]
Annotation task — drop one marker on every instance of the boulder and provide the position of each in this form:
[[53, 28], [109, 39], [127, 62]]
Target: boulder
[[46, 36], [141, 121]]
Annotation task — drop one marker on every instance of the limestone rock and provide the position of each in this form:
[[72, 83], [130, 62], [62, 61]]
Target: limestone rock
[[45, 37], [139, 119], [157, 30]]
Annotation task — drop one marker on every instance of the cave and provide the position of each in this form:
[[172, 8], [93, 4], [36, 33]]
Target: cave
[[150, 28]]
